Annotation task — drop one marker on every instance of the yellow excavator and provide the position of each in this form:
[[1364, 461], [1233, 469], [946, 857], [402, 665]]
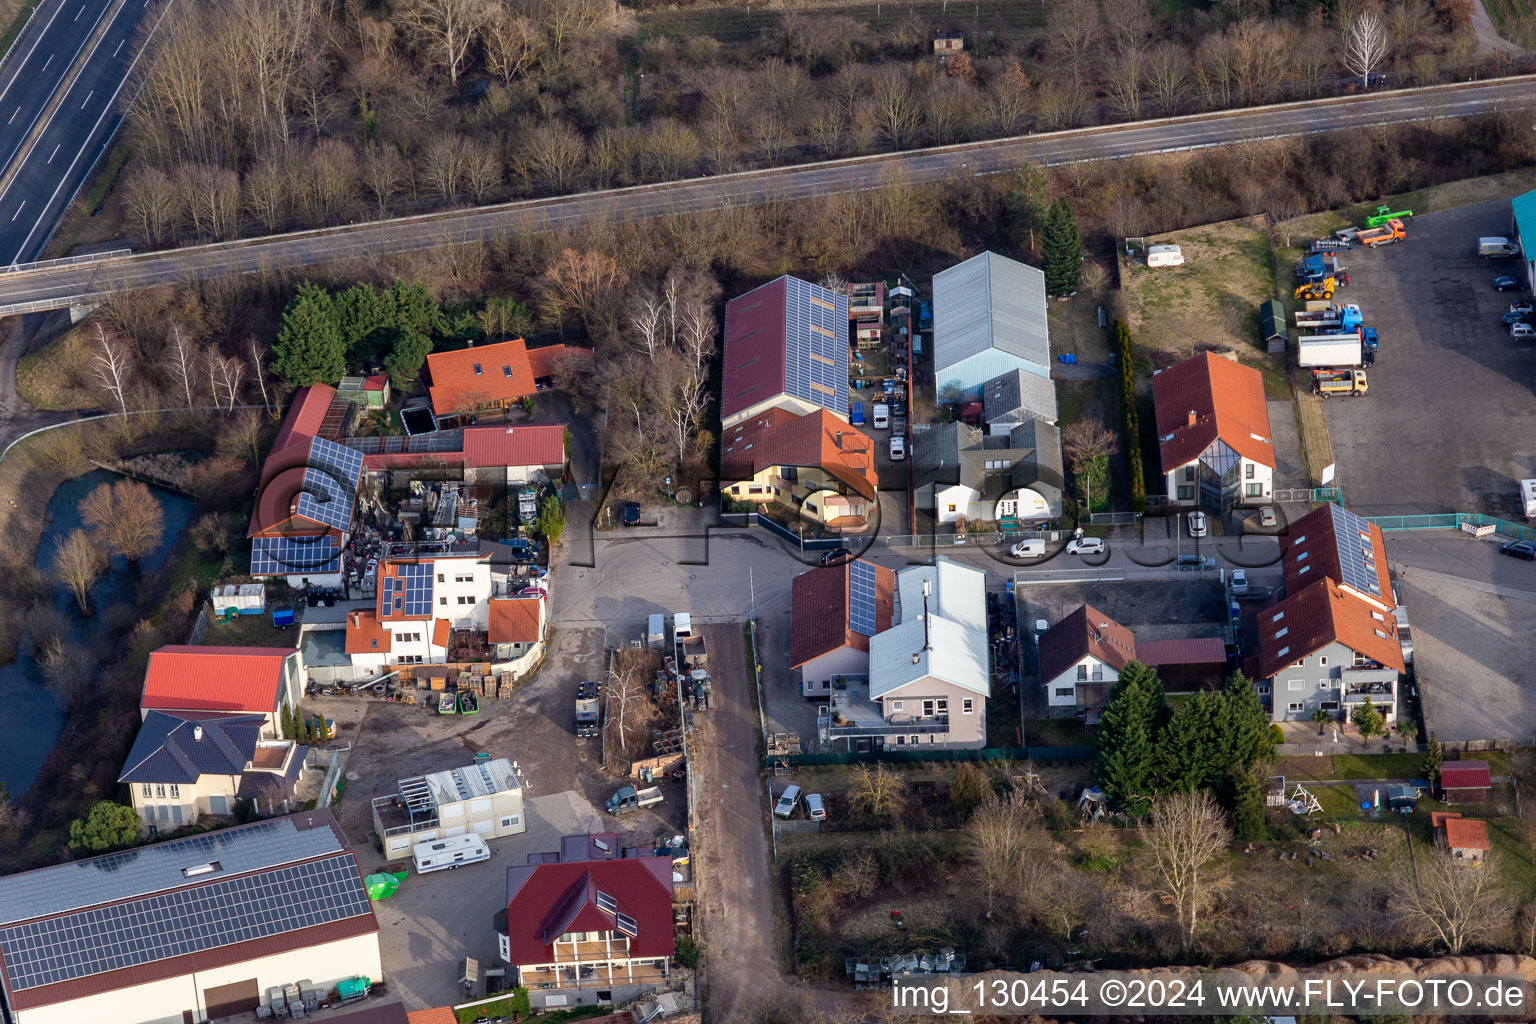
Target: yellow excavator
[[1317, 289]]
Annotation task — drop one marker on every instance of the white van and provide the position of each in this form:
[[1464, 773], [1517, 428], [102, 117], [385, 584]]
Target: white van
[[656, 631], [447, 854], [1165, 256], [1032, 548], [682, 625], [787, 801], [882, 416], [1495, 247]]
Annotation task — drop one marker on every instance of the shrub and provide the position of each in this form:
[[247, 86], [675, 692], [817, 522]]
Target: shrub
[[1130, 422]]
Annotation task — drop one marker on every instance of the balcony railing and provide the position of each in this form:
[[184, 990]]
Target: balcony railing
[[1371, 689], [918, 726]]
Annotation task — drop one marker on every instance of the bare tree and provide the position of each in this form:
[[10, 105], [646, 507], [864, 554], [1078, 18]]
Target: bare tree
[[150, 203], [180, 355], [126, 516], [630, 708], [1366, 46], [1454, 903], [448, 28], [876, 790], [647, 321], [482, 170], [112, 367], [445, 163], [513, 44], [69, 671], [78, 564], [259, 369], [1125, 75], [895, 105], [551, 155], [1189, 831], [1009, 847], [383, 174], [1167, 75], [1084, 440]]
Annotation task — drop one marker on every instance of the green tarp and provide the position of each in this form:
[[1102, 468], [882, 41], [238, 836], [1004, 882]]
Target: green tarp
[[382, 886]]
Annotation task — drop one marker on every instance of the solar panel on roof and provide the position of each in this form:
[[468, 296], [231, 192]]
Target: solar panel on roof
[[816, 345], [413, 588], [172, 924], [282, 556], [861, 598], [330, 484], [1357, 565]]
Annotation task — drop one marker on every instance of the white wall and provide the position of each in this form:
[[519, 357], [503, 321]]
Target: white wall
[[1068, 680], [162, 1002], [1263, 476], [965, 500], [461, 592], [818, 672]]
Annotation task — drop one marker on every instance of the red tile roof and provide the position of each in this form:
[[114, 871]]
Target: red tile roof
[[547, 900], [780, 438], [754, 359], [366, 635], [1466, 775], [1312, 548], [1438, 818], [434, 1015], [441, 631], [1085, 632], [504, 375], [822, 618], [1318, 615], [214, 678], [304, 416], [534, 444], [1206, 650], [1227, 400], [543, 362], [516, 620], [1466, 834], [375, 382]]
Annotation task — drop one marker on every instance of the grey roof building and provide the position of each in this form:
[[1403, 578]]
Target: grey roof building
[[981, 474], [988, 318], [171, 749], [1012, 398]]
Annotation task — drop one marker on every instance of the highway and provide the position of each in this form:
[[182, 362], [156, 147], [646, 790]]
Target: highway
[[55, 286], [58, 123]]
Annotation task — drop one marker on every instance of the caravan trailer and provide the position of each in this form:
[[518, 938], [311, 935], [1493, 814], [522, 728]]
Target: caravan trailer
[[1165, 256], [441, 854]]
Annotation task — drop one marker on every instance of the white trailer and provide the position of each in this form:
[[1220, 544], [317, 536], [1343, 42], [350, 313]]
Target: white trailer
[[1528, 498], [445, 854], [245, 598], [1329, 350]]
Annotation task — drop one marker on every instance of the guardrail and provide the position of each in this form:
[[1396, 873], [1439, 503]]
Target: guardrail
[[46, 305], [63, 261], [1113, 574]]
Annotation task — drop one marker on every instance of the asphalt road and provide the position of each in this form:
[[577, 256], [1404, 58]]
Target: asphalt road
[[51, 287], [42, 174]]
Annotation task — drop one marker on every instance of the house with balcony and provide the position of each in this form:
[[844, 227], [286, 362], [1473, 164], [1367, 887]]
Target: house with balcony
[[961, 473], [1081, 658], [929, 673], [193, 681], [483, 799], [836, 609], [181, 768], [1332, 643], [785, 347], [1213, 434], [589, 923], [420, 601], [814, 464]]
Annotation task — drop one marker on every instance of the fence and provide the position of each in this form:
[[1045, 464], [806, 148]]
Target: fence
[[1113, 574], [784, 533], [64, 261], [338, 759], [918, 756], [1114, 519], [1454, 521]]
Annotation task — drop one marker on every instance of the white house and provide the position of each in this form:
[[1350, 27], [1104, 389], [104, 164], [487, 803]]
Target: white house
[[420, 601], [190, 930], [185, 680], [1081, 658], [962, 473], [989, 318], [1213, 434]]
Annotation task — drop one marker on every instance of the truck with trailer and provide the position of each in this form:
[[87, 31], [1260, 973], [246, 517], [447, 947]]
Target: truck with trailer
[[1331, 245], [628, 798], [1339, 382], [1327, 350], [1315, 266], [1341, 318], [588, 710]]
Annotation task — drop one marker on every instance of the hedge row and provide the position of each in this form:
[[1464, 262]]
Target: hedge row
[[1130, 425]]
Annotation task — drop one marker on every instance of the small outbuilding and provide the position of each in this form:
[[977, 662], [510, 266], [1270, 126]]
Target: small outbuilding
[[948, 41], [1466, 839], [1465, 782], [1273, 336]]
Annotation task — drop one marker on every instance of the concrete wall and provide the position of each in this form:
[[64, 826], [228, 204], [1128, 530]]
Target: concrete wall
[[818, 672]]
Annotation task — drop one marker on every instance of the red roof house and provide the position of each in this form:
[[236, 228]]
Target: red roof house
[[835, 611], [1465, 782], [305, 415], [817, 440], [469, 380], [786, 346], [1332, 542], [539, 445], [516, 620], [592, 885], [544, 362], [1206, 399], [1465, 838], [253, 680]]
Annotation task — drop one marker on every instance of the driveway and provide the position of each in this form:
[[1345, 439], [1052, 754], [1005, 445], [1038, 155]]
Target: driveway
[[734, 880], [1450, 422]]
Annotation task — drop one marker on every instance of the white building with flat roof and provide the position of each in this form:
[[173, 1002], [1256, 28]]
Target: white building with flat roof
[[484, 799]]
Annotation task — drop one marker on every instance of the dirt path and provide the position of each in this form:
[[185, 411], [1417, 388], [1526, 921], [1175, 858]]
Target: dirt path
[[1488, 38], [735, 891]]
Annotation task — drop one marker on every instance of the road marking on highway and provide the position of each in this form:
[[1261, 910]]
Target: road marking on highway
[[18, 210], [80, 12], [13, 116], [54, 153], [119, 49], [88, 98], [46, 63]]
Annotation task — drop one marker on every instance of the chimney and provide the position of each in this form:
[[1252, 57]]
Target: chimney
[[1192, 417], [197, 734], [357, 618]]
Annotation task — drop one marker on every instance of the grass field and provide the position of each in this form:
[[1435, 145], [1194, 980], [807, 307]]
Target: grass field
[[13, 15], [742, 26], [50, 378], [1507, 15]]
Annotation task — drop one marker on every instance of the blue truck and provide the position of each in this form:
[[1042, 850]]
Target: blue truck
[[1332, 319], [856, 414]]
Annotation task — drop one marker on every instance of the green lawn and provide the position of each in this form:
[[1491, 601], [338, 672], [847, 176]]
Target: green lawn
[[516, 1002]]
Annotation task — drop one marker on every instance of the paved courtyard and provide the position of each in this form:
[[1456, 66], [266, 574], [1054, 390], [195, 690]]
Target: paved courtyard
[[1450, 421]]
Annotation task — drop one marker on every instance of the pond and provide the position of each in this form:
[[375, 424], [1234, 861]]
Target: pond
[[33, 720]]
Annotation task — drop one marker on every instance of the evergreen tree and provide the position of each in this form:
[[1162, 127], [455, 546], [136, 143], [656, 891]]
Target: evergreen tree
[[1188, 746], [1368, 720], [106, 826], [1242, 735], [406, 354], [1127, 740], [287, 722], [362, 315], [416, 310], [1248, 800], [1028, 204], [1434, 760], [1063, 256], [309, 347]]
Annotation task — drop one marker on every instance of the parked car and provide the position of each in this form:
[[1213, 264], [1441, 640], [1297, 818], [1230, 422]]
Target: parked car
[[1522, 306], [787, 801], [814, 808], [836, 556], [1508, 284], [1517, 318], [1041, 628], [1520, 549], [1197, 524], [1239, 581], [1195, 563], [1086, 546], [898, 449], [1032, 548], [1522, 331], [1266, 515], [631, 514]]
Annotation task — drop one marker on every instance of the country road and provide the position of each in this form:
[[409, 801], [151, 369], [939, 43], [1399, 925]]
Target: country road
[[52, 287]]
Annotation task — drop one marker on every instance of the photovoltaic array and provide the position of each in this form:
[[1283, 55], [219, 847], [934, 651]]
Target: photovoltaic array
[[1357, 564], [816, 345], [330, 484], [861, 597], [409, 592], [284, 556]]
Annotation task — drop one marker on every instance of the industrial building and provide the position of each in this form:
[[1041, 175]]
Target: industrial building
[[989, 318], [484, 798]]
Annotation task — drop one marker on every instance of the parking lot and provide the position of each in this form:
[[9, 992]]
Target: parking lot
[[1450, 422]]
